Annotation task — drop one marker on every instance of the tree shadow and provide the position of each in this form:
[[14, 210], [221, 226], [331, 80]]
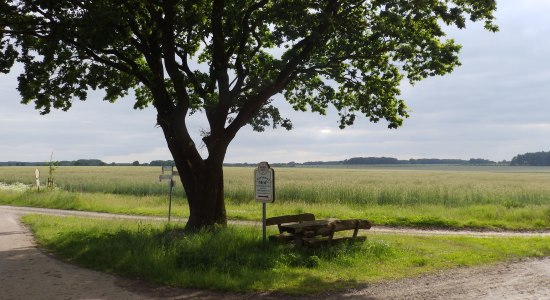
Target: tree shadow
[[216, 261]]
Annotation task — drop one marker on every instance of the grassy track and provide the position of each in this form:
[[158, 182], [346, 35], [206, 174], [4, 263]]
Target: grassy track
[[452, 197], [234, 259]]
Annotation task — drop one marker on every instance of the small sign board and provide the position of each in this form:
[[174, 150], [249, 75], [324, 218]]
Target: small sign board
[[264, 183], [167, 173]]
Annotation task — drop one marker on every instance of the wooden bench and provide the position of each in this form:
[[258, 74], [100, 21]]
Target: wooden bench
[[325, 234], [284, 236], [305, 230]]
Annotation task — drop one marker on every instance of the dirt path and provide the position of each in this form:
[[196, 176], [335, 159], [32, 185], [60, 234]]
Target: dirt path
[[28, 273], [527, 279]]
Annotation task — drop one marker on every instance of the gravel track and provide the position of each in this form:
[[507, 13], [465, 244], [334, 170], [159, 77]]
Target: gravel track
[[28, 273]]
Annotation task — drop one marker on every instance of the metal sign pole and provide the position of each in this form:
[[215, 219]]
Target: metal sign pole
[[171, 182], [263, 222], [170, 201]]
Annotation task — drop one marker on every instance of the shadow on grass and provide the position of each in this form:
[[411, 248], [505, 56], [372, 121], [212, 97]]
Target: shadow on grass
[[232, 259]]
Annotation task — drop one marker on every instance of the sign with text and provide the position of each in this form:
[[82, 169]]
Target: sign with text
[[168, 173], [264, 183]]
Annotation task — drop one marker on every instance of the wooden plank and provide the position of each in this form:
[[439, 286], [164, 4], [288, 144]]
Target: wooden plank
[[340, 225], [289, 219], [305, 226]]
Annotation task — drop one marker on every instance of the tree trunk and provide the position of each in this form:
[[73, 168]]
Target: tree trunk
[[206, 199], [202, 179], [203, 185]]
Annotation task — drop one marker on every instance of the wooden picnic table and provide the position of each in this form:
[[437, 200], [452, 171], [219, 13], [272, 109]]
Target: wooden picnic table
[[312, 232]]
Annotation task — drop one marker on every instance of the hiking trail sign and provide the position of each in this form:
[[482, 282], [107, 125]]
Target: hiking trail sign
[[264, 183], [168, 173]]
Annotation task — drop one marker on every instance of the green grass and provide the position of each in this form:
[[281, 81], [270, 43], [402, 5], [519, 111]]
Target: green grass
[[531, 217], [443, 197], [454, 186], [97, 202], [234, 259]]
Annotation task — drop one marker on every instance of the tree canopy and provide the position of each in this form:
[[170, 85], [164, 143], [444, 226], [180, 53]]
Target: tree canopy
[[216, 56], [227, 59], [532, 159]]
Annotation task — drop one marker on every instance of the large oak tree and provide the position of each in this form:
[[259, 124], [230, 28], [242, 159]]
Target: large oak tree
[[227, 59]]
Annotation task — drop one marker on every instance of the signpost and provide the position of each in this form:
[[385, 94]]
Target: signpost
[[264, 187], [168, 173]]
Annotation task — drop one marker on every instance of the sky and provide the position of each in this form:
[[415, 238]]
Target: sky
[[495, 106]]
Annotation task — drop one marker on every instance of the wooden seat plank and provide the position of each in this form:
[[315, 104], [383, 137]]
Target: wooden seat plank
[[289, 219], [283, 235]]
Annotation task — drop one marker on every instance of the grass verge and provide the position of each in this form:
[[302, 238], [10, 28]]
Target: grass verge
[[96, 202], [233, 259], [482, 216]]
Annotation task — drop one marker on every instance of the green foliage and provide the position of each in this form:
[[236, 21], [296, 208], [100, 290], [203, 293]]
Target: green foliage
[[236, 260], [532, 159], [348, 54], [52, 165]]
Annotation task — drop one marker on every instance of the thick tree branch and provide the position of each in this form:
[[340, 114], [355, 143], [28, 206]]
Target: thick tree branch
[[246, 30], [169, 52], [302, 50], [217, 114]]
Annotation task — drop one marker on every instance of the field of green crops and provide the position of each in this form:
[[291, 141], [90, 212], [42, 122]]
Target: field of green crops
[[430, 196]]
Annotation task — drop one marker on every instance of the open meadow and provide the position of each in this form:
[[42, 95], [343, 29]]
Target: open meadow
[[427, 197], [516, 198]]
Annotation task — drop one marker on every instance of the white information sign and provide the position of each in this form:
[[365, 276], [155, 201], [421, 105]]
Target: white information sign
[[264, 183]]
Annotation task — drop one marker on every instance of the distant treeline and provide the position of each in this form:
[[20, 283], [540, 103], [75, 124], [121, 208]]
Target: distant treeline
[[420, 161], [80, 162], [531, 159], [527, 159], [384, 161]]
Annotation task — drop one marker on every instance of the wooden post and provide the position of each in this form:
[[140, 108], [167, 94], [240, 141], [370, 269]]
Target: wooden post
[[37, 176]]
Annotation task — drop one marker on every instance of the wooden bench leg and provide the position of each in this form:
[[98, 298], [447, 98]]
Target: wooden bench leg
[[298, 240], [330, 236], [356, 230]]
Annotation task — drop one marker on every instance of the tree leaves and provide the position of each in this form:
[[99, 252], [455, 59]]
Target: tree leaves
[[229, 58]]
